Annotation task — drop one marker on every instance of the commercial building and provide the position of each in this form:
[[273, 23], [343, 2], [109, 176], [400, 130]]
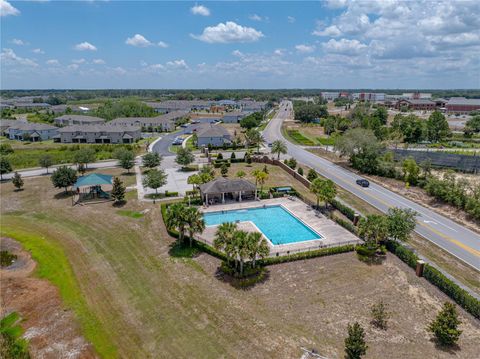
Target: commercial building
[[330, 96], [30, 131], [67, 120], [416, 105], [98, 134], [214, 135], [462, 105], [369, 96]]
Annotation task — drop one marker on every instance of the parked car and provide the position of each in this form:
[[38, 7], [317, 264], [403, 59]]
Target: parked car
[[363, 182], [185, 125], [269, 144]]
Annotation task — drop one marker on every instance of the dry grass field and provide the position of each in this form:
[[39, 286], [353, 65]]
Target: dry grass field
[[136, 297]]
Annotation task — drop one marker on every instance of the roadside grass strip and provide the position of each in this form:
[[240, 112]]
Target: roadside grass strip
[[299, 138]]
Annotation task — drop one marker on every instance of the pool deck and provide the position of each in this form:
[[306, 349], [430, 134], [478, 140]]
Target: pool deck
[[332, 233]]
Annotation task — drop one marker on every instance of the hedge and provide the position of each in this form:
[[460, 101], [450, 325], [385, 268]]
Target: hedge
[[447, 286], [306, 255], [438, 279], [345, 210], [345, 224]]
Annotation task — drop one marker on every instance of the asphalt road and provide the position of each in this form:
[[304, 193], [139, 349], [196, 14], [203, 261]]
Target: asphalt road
[[447, 234], [161, 146]]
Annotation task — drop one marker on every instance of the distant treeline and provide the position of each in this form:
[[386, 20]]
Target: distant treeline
[[236, 94]]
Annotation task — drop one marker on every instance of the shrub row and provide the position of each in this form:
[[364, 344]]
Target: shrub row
[[345, 210], [345, 224], [447, 286], [306, 255], [438, 279]]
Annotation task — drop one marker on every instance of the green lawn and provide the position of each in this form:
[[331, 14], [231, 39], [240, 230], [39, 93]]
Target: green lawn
[[298, 138], [27, 154], [138, 295]]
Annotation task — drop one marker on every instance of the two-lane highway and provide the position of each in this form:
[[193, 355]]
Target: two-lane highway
[[447, 234]]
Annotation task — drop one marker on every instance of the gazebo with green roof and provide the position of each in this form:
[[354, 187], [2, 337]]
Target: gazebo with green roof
[[92, 186]]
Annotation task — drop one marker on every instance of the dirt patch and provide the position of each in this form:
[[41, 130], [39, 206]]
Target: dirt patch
[[50, 329]]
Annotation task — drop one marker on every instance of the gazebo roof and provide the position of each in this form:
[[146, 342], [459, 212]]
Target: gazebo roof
[[93, 179], [225, 185]]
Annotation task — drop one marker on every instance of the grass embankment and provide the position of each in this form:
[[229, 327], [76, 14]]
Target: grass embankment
[[154, 299], [27, 154], [53, 265]]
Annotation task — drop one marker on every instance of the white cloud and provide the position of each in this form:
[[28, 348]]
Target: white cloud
[[332, 31], [9, 57], [119, 70], [98, 61], [305, 49], [38, 51], [279, 52], [52, 62], [256, 17], [18, 42], [79, 61], [344, 46], [227, 33], [291, 19], [200, 10], [73, 67], [177, 64], [336, 4], [85, 46], [138, 40], [7, 9], [237, 53]]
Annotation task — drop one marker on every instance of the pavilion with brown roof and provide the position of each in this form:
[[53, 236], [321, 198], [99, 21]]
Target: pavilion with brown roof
[[223, 189]]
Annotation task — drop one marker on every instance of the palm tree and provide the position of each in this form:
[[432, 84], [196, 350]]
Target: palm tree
[[194, 222], [175, 218], [258, 246], [240, 241], [260, 176], [254, 137], [324, 189], [279, 147], [224, 239]]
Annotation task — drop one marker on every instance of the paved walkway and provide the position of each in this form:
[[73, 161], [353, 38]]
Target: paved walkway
[[332, 233]]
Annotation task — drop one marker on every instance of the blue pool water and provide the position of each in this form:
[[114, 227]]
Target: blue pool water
[[276, 223]]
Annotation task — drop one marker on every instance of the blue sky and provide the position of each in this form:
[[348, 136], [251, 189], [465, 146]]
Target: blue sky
[[330, 44]]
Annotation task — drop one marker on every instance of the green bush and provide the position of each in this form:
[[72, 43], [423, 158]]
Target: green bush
[[306, 255], [434, 276], [345, 224], [403, 253], [171, 194], [459, 295], [345, 210], [6, 258]]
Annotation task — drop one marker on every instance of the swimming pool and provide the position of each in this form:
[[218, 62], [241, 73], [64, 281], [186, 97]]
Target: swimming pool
[[275, 222]]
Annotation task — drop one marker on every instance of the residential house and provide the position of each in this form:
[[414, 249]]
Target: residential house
[[163, 123], [67, 120], [30, 131], [214, 135], [233, 117], [105, 133]]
